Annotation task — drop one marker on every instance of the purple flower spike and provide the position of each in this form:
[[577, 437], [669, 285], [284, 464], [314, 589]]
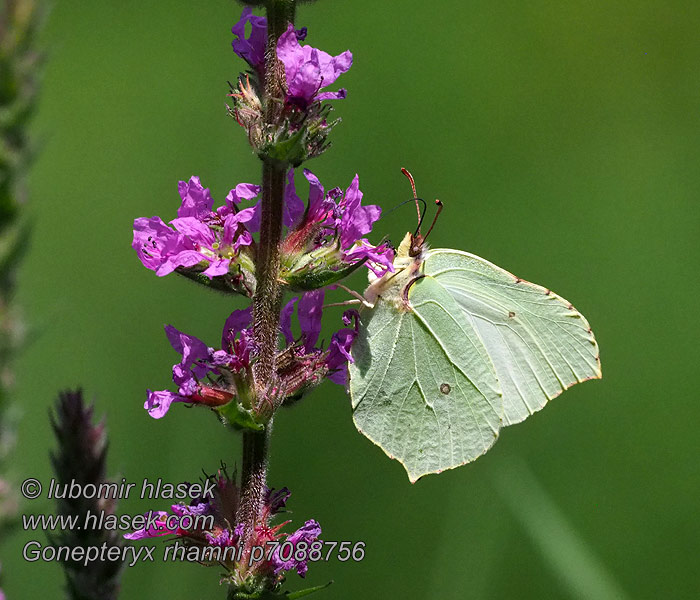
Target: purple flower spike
[[308, 69], [251, 49]]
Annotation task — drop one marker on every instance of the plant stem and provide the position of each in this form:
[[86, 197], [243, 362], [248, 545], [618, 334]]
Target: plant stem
[[267, 299], [253, 477]]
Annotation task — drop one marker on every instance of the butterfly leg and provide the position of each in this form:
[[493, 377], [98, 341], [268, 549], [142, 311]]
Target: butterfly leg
[[358, 298], [353, 302]]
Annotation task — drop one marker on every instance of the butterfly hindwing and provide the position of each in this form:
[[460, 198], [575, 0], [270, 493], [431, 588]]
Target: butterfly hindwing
[[538, 342], [422, 385]]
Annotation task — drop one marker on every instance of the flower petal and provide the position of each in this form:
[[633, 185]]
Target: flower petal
[[251, 49], [196, 200], [309, 314], [236, 322], [293, 205], [159, 530], [286, 320], [243, 191], [158, 403], [195, 230]]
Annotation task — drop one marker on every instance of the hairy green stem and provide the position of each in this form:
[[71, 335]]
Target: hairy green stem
[[267, 299]]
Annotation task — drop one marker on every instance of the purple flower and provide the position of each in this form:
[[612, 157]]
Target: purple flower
[[251, 49], [196, 200], [201, 236], [310, 311], [220, 527], [333, 227], [309, 316], [293, 205], [339, 353], [200, 361], [237, 339], [356, 220], [308, 533], [158, 403], [308, 70], [160, 248], [225, 537], [155, 527], [195, 508], [277, 501], [379, 259], [333, 360]]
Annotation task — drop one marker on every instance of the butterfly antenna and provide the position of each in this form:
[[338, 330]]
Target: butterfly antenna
[[435, 218], [391, 210], [407, 173]]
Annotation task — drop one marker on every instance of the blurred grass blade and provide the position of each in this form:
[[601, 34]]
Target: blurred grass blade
[[562, 548], [20, 24]]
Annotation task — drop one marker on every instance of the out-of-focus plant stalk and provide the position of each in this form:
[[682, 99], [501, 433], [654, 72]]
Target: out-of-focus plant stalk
[[20, 23], [81, 457]]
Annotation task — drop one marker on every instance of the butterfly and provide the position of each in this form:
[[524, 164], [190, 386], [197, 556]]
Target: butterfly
[[451, 348]]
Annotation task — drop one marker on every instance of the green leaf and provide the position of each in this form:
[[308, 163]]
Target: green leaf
[[269, 595], [238, 417], [311, 274], [306, 592]]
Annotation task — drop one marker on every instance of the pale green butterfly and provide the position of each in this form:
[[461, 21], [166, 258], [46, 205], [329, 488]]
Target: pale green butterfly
[[451, 348]]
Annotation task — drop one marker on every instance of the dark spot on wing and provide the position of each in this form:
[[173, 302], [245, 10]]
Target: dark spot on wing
[[511, 314], [445, 388]]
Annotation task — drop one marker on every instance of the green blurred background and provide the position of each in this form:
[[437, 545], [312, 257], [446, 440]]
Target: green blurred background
[[564, 139]]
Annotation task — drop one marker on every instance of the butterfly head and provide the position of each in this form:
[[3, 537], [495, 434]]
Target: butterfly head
[[407, 261]]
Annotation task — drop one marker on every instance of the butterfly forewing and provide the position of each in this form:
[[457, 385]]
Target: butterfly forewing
[[538, 342], [422, 384]]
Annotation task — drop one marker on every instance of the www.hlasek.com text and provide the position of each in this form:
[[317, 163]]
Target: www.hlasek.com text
[[151, 521]]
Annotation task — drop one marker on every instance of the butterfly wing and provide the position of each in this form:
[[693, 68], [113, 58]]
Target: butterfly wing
[[538, 342], [422, 385]]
